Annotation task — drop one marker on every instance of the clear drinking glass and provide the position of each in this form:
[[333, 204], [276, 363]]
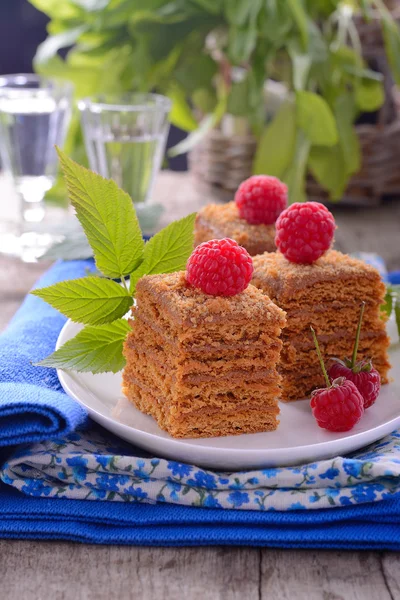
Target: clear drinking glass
[[34, 116], [125, 139]]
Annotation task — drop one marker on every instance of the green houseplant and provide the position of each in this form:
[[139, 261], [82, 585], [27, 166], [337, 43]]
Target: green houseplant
[[212, 58]]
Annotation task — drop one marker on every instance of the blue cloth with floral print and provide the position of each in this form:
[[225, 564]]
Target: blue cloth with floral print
[[152, 501]]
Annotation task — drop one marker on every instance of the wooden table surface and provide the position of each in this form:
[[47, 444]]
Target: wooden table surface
[[61, 571]]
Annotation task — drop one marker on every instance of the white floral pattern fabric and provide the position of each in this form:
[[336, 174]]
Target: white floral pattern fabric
[[90, 465]]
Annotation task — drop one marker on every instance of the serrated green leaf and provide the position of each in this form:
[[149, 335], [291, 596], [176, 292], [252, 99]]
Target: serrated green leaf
[[90, 300], [108, 218], [94, 349], [276, 147], [315, 118], [168, 250]]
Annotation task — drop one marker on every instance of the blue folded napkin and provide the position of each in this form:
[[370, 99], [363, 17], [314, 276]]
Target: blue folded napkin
[[373, 526], [48, 473], [33, 406]]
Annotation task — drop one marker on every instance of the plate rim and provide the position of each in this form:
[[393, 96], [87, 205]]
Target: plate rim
[[325, 446]]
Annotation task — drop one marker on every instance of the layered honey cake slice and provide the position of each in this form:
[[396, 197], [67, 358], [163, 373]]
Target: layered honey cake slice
[[203, 365], [216, 221], [325, 294], [249, 219]]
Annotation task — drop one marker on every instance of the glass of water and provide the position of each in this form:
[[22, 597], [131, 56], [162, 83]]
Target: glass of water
[[34, 116], [125, 139]]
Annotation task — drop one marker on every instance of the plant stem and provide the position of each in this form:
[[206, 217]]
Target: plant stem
[[124, 283], [321, 360], [355, 349]]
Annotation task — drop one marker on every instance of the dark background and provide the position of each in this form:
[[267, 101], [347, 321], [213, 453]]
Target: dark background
[[22, 29]]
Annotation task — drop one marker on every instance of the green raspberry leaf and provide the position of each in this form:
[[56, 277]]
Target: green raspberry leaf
[[90, 300], [95, 349], [108, 218], [168, 250]]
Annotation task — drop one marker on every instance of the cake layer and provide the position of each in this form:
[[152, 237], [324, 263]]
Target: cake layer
[[204, 424], [299, 352], [229, 336], [195, 371], [212, 360], [329, 317], [297, 384], [335, 277], [216, 221], [259, 387]]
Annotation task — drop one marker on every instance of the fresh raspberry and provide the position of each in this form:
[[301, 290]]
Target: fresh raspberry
[[220, 268], [304, 231], [366, 379], [339, 407], [261, 199]]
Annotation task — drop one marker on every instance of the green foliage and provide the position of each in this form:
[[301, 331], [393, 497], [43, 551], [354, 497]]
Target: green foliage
[[168, 250], [315, 118], [279, 135], [95, 349], [392, 304], [192, 51], [91, 300], [114, 235], [109, 220]]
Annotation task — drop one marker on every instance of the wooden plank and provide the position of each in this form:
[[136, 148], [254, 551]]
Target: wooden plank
[[327, 575], [66, 571], [16, 279]]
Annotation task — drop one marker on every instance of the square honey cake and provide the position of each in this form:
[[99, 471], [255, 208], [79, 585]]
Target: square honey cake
[[216, 221], [202, 365], [327, 295]]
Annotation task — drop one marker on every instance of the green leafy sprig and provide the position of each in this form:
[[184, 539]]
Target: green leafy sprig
[[98, 302], [392, 304]]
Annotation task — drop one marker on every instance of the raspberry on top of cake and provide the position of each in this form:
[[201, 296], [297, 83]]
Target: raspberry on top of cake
[[205, 364], [249, 219]]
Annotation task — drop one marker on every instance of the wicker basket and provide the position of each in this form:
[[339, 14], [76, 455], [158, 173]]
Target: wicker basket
[[219, 163]]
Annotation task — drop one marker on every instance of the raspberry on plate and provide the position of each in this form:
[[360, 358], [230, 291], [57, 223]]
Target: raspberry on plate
[[366, 379], [261, 199], [339, 406], [220, 268], [304, 232]]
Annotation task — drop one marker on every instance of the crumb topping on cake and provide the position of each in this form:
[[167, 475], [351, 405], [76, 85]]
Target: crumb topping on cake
[[225, 220], [285, 277], [192, 307]]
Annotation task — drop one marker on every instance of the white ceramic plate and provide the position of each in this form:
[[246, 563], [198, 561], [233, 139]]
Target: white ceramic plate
[[297, 440]]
